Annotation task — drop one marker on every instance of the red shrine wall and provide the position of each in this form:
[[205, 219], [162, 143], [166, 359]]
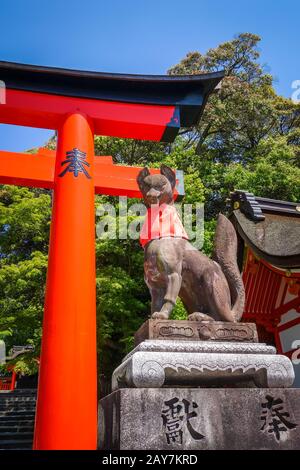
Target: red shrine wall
[[273, 303]]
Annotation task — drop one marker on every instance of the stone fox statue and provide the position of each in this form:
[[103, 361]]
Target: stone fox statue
[[210, 289]]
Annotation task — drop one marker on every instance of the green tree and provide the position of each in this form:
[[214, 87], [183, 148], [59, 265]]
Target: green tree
[[24, 222], [240, 123]]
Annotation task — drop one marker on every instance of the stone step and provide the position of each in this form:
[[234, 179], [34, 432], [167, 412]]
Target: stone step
[[18, 393], [13, 410], [4, 436], [17, 405], [18, 428], [19, 415], [3, 401], [12, 407], [19, 412], [21, 391], [16, 444], [17, 418], [17, 422], [18, 396], [17, 400]]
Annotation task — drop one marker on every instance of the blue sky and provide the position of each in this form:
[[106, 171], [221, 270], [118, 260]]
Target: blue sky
[[140, 36]]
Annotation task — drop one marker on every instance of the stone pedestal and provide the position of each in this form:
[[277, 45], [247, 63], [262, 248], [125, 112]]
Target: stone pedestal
[[185, 330], [201, 385], [155, 363], [200, 419]]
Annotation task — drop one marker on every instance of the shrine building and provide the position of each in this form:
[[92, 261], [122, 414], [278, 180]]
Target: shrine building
[[269, 255]]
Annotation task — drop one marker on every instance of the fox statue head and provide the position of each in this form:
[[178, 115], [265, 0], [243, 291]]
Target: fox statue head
[[159, 188]]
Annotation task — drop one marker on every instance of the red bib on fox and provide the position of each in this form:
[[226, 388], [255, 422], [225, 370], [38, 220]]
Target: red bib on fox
[[161, 221]]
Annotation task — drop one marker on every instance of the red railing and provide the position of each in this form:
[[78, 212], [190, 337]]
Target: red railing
[[8, 383]]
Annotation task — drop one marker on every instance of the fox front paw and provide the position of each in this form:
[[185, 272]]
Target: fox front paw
[[198, 316], [160, 316]]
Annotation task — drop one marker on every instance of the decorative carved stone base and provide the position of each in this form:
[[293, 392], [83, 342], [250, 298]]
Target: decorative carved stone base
[[184, 330], [200, 419], [155, 363]]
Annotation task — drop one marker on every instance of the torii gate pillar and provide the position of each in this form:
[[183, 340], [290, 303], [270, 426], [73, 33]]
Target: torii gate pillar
[[69, 330]]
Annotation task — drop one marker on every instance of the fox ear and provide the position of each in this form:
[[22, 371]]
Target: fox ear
[[141, 176], [169, 174]]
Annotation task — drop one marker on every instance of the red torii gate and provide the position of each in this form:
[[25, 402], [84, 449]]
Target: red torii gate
[[78, 105]]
